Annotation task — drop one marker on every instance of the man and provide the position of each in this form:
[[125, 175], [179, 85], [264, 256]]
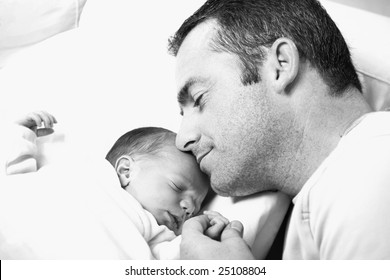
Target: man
[[271, 101]]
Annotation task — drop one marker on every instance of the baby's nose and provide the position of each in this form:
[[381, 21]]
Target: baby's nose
[[188, 207]]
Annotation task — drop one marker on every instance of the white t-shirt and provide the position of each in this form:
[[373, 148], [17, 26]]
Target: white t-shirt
[[343, 210]]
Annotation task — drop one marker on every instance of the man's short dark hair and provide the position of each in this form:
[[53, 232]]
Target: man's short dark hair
[[141, 141], [247, 27]]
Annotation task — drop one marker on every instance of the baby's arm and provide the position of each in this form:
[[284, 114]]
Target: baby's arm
[[22, 152], [217, 224]]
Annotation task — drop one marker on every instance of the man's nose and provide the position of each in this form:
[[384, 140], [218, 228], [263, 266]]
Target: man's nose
[[187, 134]]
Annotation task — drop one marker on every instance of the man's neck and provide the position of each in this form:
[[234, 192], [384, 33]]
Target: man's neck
[[322, 124]]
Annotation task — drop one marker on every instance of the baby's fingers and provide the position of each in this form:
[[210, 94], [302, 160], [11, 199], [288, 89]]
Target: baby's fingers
[[47, 119], [213, 215], [217, 222], [41, 122], [31, 120], [215, 230]]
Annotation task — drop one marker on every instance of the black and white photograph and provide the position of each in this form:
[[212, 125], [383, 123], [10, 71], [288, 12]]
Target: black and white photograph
[[212, 130]]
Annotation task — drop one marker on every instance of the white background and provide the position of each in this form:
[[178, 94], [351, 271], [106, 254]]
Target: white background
[[108, 76]]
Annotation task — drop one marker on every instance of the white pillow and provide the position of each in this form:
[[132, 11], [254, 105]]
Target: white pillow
[[367, 35], [24, 23], [261, 214]]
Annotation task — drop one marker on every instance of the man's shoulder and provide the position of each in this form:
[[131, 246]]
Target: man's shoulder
[[361, 153], [359, 166], [349, 193], [355, 176]]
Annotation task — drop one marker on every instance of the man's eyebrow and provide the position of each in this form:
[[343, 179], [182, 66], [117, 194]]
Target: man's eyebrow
[[183, 95]]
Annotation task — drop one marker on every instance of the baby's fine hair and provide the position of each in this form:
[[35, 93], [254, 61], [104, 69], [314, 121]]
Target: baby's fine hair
[[141, 141]]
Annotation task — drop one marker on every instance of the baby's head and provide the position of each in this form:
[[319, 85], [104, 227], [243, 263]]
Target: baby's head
[[166, 182]]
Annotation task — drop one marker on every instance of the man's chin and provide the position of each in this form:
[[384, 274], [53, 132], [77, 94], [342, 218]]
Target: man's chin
[[221, 191], [232, 191]]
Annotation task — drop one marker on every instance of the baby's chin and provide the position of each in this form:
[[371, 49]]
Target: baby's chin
[[172, 224], [176, 230]]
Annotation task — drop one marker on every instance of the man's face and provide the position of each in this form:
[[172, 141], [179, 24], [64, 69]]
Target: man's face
[[228, 126]]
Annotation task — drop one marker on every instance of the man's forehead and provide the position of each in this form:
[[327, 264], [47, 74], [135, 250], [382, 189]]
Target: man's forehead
[[193, 51], [199, 37]]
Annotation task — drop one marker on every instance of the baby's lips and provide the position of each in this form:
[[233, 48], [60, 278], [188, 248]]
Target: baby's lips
[[174, 223], [181, 222]]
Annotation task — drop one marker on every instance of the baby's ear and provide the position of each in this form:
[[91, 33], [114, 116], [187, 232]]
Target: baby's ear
[[123, 167]]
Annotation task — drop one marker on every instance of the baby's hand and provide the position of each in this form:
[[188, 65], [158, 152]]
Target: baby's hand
[[34, 122], [217, 222]]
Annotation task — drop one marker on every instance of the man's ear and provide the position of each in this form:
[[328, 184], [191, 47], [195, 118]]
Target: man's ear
[[284, 64], [123, 168]]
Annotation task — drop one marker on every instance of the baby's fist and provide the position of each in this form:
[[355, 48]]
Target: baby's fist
[[217, 224]]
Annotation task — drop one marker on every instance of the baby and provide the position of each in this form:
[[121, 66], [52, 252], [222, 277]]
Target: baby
[[166, 183]]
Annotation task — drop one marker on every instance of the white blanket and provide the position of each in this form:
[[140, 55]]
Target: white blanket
[[74, 208], [64, 212]]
